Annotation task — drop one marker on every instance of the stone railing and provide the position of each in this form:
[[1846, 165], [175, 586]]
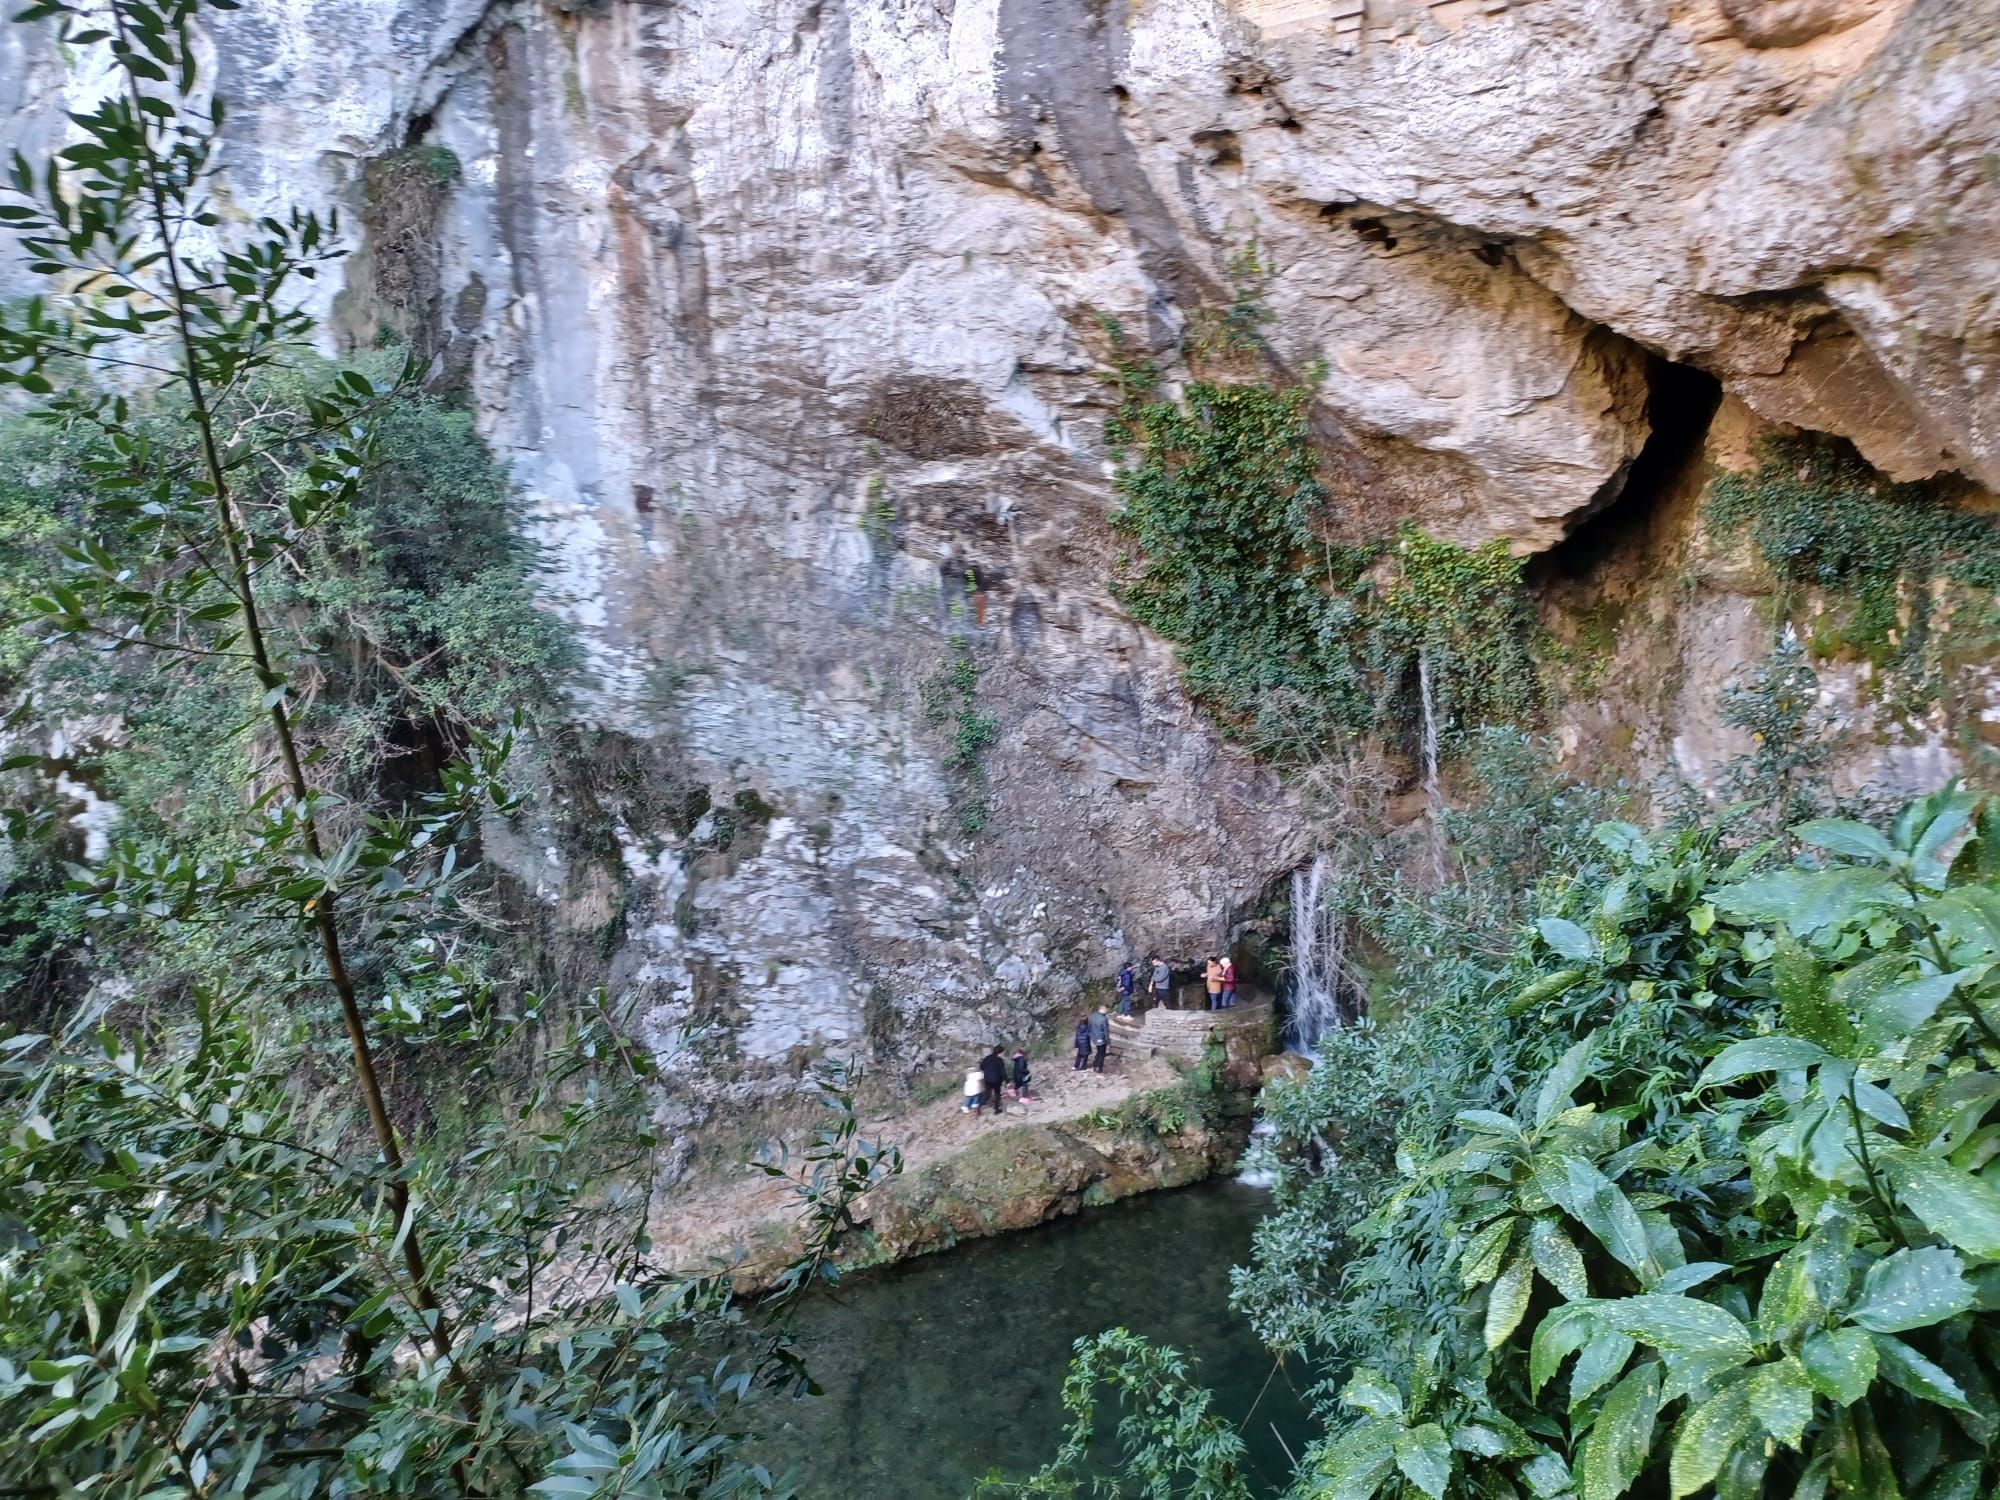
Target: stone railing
[[1247, 1030]]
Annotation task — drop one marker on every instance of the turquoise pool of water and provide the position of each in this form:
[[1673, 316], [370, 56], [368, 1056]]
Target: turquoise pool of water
[[944, 1368]]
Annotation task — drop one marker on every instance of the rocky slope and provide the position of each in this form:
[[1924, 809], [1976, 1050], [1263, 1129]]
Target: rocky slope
[[787, 314]]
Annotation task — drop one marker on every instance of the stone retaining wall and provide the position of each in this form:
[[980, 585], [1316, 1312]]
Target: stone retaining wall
[[1247, 1031]]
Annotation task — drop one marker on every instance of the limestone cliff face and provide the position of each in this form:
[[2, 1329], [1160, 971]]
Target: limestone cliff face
[[787, 315]]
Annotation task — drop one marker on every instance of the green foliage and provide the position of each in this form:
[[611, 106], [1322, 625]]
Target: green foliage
[[1824, 521], [1720, 1155], [1291, 638], [1169, 1442], [950, 696], [225, 1267]]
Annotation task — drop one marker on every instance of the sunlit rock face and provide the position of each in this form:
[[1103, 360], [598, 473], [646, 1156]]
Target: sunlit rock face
[[789, 314]]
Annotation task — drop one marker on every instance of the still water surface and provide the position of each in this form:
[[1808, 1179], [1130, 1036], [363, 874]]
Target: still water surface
[[943, 1368]]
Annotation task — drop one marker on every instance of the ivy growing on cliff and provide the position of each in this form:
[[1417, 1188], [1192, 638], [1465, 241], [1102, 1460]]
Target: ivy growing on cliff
[[1290, 636], [1879, 555]]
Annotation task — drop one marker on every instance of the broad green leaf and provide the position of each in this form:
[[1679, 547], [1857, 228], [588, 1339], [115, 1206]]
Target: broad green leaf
[[1557, 1337], [1483, 1256], [1903, 1366], [1856, 840], [1546, 1475], [1507, 1302], [1492, 1122], [1558, 1259], [1708, 1435], [1680, 1325], [1805, 996], [1808, 900], [1372, 1392], [1615, 1451], [1781, 1398], [1761, 1054], [1569, 940], [1970, 917], [1606, 1212], [1545, 988], [1600, 1363], [1687, 1278], [1840, 1364], [1355, 1466], [1562, 1081], [1424, 1455], [1899, 1009], [1490, 1436], [1955, 1205], [1959, 1481], [1911, 1289], [1814, 1481]]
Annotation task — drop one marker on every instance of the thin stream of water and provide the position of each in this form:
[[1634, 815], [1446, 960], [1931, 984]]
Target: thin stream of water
[[946, 1367]]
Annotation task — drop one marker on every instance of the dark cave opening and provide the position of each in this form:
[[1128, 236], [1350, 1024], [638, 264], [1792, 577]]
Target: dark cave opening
[[1680, 404]]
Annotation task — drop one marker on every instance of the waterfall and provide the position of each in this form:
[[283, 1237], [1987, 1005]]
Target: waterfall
[[1433, 796], [1319, 955], [1258, 1170]]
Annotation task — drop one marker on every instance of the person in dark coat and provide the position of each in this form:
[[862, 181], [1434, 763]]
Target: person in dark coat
[[1021, 1074], [1082, 1045], [1127, 979], [1100, 1036], [993, 1069]]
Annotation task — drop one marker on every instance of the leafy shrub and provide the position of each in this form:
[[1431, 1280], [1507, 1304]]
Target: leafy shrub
[[1725, 1169], [1290, 637]]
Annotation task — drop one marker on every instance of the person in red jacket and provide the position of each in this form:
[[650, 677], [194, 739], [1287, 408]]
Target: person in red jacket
[[1228, 982]]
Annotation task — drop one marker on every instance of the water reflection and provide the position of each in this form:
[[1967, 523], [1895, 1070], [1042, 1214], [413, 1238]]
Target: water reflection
[[941, 1369]]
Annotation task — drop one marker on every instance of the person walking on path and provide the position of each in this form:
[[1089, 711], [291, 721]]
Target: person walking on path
[[1100, 1036], [1213, 976], [1082, 1045], [1228, 983], [975, 1090], [1021, 1074], [1126, 980], [993, 1072], [1163, 981]]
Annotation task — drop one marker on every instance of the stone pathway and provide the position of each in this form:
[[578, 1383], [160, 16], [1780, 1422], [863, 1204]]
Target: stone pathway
[[708, 1226]]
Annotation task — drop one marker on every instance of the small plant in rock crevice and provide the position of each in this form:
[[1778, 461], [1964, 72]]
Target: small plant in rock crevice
[[950, 697]]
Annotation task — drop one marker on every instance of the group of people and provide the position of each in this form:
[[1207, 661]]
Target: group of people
[[1218, 974], [987, 1082]]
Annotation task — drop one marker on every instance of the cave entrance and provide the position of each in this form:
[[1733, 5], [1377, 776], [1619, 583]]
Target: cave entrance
[[1680, 406]]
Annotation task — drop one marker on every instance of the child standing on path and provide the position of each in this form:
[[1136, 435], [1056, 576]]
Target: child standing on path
[[1082, 1045], [975, 1089], [1021, 1074]]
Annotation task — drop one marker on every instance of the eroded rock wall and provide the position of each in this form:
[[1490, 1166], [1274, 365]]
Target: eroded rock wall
[[787, 314]]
